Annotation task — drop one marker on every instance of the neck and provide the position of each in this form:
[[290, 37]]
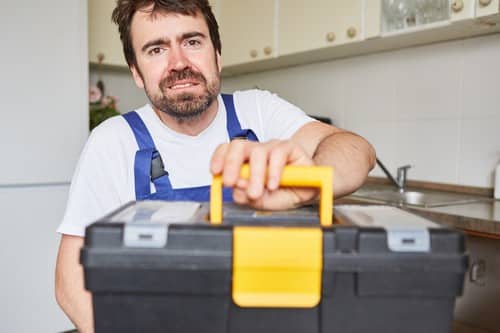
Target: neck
[[188, 126]]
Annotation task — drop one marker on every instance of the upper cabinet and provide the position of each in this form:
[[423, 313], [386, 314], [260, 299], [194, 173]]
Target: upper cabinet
[[313, 24], [318, 30], [104, 39], [462, 9], [266, 34], [247, 30], [487, 7]]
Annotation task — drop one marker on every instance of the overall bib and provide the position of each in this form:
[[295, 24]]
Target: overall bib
[[149, 167]]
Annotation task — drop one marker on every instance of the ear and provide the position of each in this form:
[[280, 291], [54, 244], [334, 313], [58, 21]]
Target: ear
[[137, 77], [219, 61]]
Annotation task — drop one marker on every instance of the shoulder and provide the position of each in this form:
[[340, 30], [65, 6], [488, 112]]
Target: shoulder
[[253, 97], [109, 127], [110, 137], [117, 128], [262, 101]]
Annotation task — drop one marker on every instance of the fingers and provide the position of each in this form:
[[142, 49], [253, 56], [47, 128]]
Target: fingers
[[259, 158], [266, 161]]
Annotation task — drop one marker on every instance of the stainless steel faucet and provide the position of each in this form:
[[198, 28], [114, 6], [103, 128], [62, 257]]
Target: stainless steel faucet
[[400, 181], [401, 177]]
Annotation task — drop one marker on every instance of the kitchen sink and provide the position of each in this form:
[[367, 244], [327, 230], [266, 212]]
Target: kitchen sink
[[425, 199]]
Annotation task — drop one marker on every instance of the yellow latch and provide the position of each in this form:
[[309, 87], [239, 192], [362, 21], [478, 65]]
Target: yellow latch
[[300, 176], [277, 266]]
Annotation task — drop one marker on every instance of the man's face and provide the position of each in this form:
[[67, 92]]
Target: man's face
[[176, 62]]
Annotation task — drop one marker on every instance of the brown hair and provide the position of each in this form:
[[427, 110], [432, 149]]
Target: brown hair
[[125, 10]]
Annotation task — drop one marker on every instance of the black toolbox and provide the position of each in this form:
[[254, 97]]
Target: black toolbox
[[162, 267]]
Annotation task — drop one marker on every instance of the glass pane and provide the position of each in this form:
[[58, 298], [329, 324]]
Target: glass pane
[[403, 14]]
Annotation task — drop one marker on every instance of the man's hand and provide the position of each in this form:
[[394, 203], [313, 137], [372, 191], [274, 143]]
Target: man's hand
[[315, 143], [266, 161]]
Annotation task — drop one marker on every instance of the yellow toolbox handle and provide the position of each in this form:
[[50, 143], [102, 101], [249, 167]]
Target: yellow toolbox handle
[[292, 175]]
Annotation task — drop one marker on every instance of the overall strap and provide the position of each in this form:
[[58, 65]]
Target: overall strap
[[148, 165], [141, 133], [233, 125]]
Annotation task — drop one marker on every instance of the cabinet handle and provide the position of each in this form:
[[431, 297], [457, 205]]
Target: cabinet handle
[[253, 53], [457, 5], [484, 3], [330, 37], [268, 50], [351, 32], [100, 57]]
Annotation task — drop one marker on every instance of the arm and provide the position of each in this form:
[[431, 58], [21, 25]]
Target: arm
[[313, 144], [351, 156], [71, 295]]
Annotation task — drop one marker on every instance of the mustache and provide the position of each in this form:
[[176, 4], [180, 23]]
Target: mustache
[[185, 74]]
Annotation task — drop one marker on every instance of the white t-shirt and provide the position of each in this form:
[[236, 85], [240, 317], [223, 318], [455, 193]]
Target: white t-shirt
[[104, 176]]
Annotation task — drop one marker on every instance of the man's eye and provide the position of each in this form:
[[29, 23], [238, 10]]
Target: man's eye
[[193, 43], [155, 51]]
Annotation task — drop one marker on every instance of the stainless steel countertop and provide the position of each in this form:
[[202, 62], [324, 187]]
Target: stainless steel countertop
[[478, 217]]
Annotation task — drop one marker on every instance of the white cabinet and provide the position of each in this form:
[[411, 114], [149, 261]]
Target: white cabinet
[[313, 24], [462, 9], [487, 7], [28, 250], [104, 38], [247, 30], [44, 66]]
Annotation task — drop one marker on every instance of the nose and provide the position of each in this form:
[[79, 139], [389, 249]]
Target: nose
[[177, 59]]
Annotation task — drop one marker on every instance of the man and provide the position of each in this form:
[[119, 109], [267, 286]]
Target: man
[[170, 150]]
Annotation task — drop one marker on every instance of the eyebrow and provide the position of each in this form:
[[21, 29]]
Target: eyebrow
[[166, 41]]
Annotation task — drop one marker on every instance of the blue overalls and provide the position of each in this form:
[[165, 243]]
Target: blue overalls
[[148, 165]]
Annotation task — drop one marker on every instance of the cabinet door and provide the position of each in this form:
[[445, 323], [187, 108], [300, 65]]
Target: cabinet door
[[373, 17], [247, 30], [103, 34], [312, 24], [44, 92], [487, 7], [462, 9]]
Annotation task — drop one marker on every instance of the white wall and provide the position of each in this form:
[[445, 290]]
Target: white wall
[[43, 125], [44, 78], [435, 107], [28, 249]]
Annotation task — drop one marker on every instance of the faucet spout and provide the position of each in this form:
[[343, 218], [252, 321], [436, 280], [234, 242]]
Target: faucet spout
[[401, 176], [400, 181]]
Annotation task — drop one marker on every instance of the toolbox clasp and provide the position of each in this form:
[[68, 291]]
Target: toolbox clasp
[[145, 235], [277, 267]]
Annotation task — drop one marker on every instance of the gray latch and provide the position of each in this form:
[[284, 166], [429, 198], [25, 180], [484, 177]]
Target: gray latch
[[408, 240], [406, 232], [145, 235]]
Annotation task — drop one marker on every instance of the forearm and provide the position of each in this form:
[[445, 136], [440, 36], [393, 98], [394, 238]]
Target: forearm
[[71, 295], [351, 156]]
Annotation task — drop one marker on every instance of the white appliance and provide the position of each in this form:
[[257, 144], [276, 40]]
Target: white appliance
[[43, 126]]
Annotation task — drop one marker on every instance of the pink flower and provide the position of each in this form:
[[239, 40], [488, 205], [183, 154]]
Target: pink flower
[[107, 100], [95, 94]]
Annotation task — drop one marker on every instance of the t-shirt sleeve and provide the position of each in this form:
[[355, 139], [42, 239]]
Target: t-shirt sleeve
[[95, 187], [269, 115]]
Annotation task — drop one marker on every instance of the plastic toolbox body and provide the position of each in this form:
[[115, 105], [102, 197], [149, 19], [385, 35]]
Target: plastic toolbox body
[[151, 276]]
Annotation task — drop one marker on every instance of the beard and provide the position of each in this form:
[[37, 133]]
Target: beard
[[184, 106]]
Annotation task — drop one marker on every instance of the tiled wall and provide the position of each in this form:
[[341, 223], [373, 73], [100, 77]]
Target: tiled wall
[[436, 107]]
